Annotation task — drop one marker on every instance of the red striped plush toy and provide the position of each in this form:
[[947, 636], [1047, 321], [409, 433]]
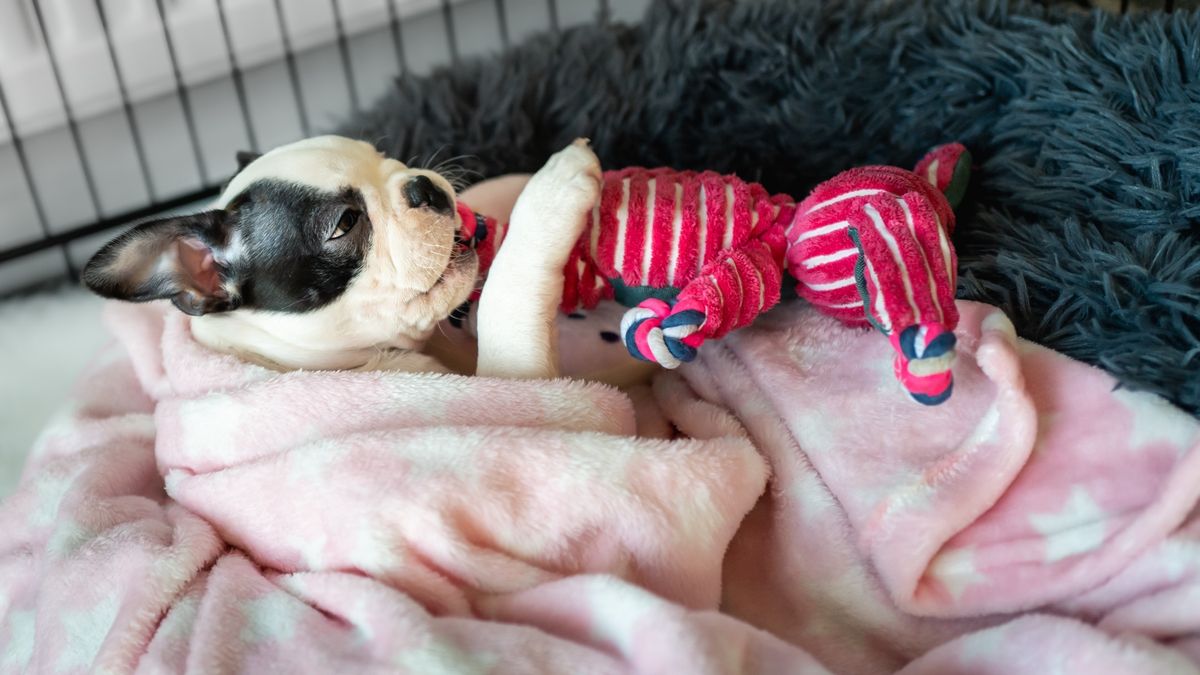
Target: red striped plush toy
[[697, 255]]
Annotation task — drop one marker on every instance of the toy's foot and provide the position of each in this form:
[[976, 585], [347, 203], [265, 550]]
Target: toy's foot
[[923, 364], [654, 332]]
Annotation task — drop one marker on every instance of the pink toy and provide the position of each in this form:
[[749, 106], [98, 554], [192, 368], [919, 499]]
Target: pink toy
[[697, 255], [872, 247]]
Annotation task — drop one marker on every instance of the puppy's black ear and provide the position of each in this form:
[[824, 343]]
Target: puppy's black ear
[[172, 258], [244, 157]]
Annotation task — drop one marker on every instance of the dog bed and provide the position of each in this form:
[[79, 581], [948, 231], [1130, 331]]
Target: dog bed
[[1084, 221]]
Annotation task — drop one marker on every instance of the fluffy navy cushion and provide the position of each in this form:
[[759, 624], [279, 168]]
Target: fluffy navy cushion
[[1084, 216]]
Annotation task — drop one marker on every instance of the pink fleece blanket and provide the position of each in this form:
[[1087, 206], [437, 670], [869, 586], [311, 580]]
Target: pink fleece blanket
[[190, 512]]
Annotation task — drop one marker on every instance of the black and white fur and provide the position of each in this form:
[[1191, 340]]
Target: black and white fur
[[325, 254]]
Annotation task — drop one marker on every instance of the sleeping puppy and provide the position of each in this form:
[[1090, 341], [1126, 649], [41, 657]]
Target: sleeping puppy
[[324, 254]]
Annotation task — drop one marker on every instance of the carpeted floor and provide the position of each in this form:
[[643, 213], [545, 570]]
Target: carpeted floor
[[1084, 221]]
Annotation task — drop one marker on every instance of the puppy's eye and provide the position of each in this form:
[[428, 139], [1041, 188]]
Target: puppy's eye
[[345, 223]]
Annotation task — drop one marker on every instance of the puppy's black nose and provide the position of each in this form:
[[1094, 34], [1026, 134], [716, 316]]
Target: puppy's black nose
[[421, 192]]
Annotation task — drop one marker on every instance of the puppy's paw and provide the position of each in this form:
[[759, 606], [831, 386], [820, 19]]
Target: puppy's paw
[[570, 180], [577, 159]]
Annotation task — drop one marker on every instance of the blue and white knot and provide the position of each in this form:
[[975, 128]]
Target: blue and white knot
[[652, 332]]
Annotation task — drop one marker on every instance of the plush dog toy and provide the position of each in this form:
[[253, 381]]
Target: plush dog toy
[[697, 255]]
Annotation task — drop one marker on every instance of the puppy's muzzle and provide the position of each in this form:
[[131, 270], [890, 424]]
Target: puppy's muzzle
[[420, 192]]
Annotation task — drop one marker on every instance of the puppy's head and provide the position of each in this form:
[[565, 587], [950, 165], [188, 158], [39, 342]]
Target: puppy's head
[[317, 248]]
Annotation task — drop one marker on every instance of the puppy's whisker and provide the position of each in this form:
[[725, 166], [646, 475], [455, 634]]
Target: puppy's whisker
[[448, 162], [426, 164], [453, 172], [462, 172]]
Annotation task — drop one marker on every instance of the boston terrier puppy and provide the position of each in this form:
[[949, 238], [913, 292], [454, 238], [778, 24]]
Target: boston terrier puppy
[[326, 255]]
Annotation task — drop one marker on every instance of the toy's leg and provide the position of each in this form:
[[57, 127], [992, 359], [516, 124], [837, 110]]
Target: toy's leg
[[906, 275], [948, 168], [728, 293]]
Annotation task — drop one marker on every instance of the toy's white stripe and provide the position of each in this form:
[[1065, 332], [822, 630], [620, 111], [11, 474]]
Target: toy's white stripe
[[931, 288], [950, 271], [894, 249], [649, 240], [741, 286], [818, 260], [676, 226], [622, 219], [727, 241], [880, 310], [823, 230], [702, 200], [832, 285], [841, 198]]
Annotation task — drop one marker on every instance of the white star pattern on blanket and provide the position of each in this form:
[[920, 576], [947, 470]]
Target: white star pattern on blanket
[[442, 656], [372, 553], [617, 611], [1156, 421], [812, 498], [956, 570], [50, 489], [272, 617], [309, 467], [312, 548], [67, 537], [18, 649], [85, 630], [212, 423], [1078, 528], [181, 620], [984, 646]]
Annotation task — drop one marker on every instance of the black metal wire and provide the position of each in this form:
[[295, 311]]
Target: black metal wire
[[185, 101], [344, 49], [60, 239], [293, 73], [451, 34], [502, 22], [68, 236], [19, 147], [1124, 6], [236, 71], [397, 38], [72, 124], [1170, 6], [139, 148]]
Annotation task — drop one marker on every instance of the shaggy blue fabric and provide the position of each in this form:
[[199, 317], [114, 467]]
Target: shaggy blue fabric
[[1083, 221]]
